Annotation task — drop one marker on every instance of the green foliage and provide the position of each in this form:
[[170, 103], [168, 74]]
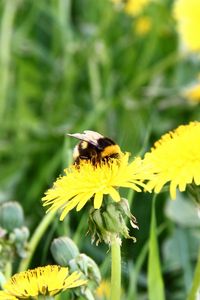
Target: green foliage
[[67, 66]]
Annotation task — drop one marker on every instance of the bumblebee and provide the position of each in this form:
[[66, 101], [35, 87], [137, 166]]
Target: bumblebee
[[94, 147]]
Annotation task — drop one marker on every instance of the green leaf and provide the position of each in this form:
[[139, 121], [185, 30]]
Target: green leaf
[[182, 211], [155, 281]]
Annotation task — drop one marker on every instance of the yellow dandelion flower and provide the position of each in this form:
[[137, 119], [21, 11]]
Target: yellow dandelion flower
[[6, 296], [175, 158], [187, 14], [135, 7], [103, 290], [192, 93], [142, 25], [49, 280], [79, 185]]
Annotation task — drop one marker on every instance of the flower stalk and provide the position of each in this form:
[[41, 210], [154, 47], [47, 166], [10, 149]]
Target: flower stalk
[[8, 270], [115, 268], [35, 240]]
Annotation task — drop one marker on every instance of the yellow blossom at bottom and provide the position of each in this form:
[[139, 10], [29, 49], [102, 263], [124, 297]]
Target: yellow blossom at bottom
[[175, 158], [49, 280], [80, 184]]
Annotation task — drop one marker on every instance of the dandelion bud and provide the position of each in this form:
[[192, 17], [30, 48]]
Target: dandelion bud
[[11, 216], [18, 239], [125, 210], [87, 266], [97, 227], [111, 219], [19, 235], [63, 250], [90, 271]]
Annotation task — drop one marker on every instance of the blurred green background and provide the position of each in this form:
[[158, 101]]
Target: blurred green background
[[67, 66]]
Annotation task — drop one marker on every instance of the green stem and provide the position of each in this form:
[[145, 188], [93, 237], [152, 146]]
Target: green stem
[[10, 8], [35, 240], [8, 270], [94, 78], [135, 270], [115, 269], [2, 279], [196, 281]]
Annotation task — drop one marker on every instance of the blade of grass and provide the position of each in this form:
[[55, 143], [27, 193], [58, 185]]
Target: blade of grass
[[196, 282], [10, 8], [136, 268], [35, 239]]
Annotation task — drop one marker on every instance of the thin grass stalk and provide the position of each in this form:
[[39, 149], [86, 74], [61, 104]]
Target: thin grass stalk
[[196, 282], [6, 33], [38, 234], [8, 270]]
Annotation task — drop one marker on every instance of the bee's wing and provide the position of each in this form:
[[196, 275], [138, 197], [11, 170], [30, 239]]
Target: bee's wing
[[89, 136]]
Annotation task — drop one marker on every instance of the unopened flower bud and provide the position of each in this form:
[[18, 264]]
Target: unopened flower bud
[[125, 209], [87, 266], [111, 219], [11, 216], [97, 226], [90, 271], [18, 239], [63, 250]]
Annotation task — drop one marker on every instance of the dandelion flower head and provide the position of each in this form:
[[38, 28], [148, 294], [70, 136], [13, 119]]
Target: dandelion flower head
[[48, 280], [187, 15], [87, 180], [175, 158]]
